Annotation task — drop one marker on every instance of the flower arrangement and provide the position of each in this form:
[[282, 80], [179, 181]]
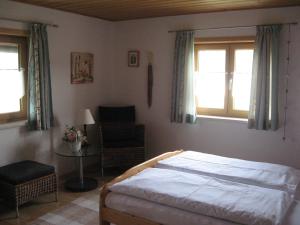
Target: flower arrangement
[[73, 134]]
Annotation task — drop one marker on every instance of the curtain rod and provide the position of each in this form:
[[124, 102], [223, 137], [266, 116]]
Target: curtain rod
[[26, 21], [231, 27]]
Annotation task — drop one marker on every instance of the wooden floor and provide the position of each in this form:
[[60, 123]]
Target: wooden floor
[[34, 209]]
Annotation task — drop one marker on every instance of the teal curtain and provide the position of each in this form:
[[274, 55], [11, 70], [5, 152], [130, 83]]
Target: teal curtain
[[263, 111], [40, 112], [183, 107]]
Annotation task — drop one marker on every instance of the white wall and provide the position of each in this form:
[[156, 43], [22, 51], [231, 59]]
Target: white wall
[[116, 83], [75, 33], [228, 138]]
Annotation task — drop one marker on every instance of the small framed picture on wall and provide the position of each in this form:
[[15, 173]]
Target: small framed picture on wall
[[82, 68], [133, 58]]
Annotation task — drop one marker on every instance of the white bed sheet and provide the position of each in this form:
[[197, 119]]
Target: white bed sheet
[[172, 216], [249, 172]]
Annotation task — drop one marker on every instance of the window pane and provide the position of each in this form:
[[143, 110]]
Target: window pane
[[210, 82], [11, 80], [242, 79], [9, 57]]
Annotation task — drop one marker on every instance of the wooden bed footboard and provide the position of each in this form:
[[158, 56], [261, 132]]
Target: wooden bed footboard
[[108, 215]]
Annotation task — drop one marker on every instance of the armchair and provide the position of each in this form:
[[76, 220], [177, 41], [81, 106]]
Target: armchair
[[122, 141]]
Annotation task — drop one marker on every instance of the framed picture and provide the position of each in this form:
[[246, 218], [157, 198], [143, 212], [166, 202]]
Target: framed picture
[[133, 58], [82, 68]]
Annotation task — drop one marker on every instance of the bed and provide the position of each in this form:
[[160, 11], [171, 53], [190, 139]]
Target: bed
[[119, 206]]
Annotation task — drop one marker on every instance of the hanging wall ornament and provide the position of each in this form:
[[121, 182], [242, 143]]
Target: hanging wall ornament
[[150, 79], [287, 76]]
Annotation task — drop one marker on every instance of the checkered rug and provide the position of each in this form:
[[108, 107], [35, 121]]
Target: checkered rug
[[81, 211]]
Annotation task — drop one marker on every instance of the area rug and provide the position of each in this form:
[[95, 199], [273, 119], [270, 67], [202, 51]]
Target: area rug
[[81, 211]]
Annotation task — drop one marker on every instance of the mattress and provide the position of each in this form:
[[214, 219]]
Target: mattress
[[173, 216]]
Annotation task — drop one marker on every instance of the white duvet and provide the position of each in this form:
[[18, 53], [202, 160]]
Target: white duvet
[[255, 173], [211, 196]]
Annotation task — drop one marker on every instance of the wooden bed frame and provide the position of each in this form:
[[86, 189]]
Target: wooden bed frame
[[108, 215]]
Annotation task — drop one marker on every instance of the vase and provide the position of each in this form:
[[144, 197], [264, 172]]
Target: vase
[[75, 146]]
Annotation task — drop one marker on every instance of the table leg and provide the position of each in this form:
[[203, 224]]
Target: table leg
[[81, 171], [81, 183]]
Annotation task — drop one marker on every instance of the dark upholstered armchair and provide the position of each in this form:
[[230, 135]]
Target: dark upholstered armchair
[[122, 141]]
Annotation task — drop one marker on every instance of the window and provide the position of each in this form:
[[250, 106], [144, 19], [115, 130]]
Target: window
[[13, 70], [223, 76]]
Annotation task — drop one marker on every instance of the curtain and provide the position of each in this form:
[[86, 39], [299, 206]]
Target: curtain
[[40, 112], [183, 100], [263, 111]]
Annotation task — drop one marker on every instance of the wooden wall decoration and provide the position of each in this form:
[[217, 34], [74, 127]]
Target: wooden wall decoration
[[150, 79]]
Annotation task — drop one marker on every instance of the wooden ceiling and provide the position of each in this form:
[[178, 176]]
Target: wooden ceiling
[[116, 10]]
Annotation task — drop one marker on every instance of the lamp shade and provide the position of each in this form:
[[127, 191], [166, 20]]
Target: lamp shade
[[85, 117]]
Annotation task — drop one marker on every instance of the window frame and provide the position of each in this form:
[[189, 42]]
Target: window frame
[[19, 37], [230, 45]]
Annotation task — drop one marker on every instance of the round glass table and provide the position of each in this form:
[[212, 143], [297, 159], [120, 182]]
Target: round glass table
[[81, 183]]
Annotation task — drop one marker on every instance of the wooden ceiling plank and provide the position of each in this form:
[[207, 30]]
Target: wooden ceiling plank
[[133, 9]]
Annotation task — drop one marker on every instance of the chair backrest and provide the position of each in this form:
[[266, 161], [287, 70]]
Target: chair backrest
[[117, 114], [117, 123]]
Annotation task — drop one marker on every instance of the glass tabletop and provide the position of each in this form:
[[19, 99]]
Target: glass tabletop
[[86, 151]]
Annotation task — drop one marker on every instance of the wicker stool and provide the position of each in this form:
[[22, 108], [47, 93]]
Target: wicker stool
[[26, 180]]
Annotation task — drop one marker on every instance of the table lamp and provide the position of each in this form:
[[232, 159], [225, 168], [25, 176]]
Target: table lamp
[[85, 118]]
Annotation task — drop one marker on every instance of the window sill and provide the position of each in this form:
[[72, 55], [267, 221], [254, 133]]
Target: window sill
[[20, 123], [242, 120]]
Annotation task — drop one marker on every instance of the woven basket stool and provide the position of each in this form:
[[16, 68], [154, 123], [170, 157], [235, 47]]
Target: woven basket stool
[[26, 180]]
